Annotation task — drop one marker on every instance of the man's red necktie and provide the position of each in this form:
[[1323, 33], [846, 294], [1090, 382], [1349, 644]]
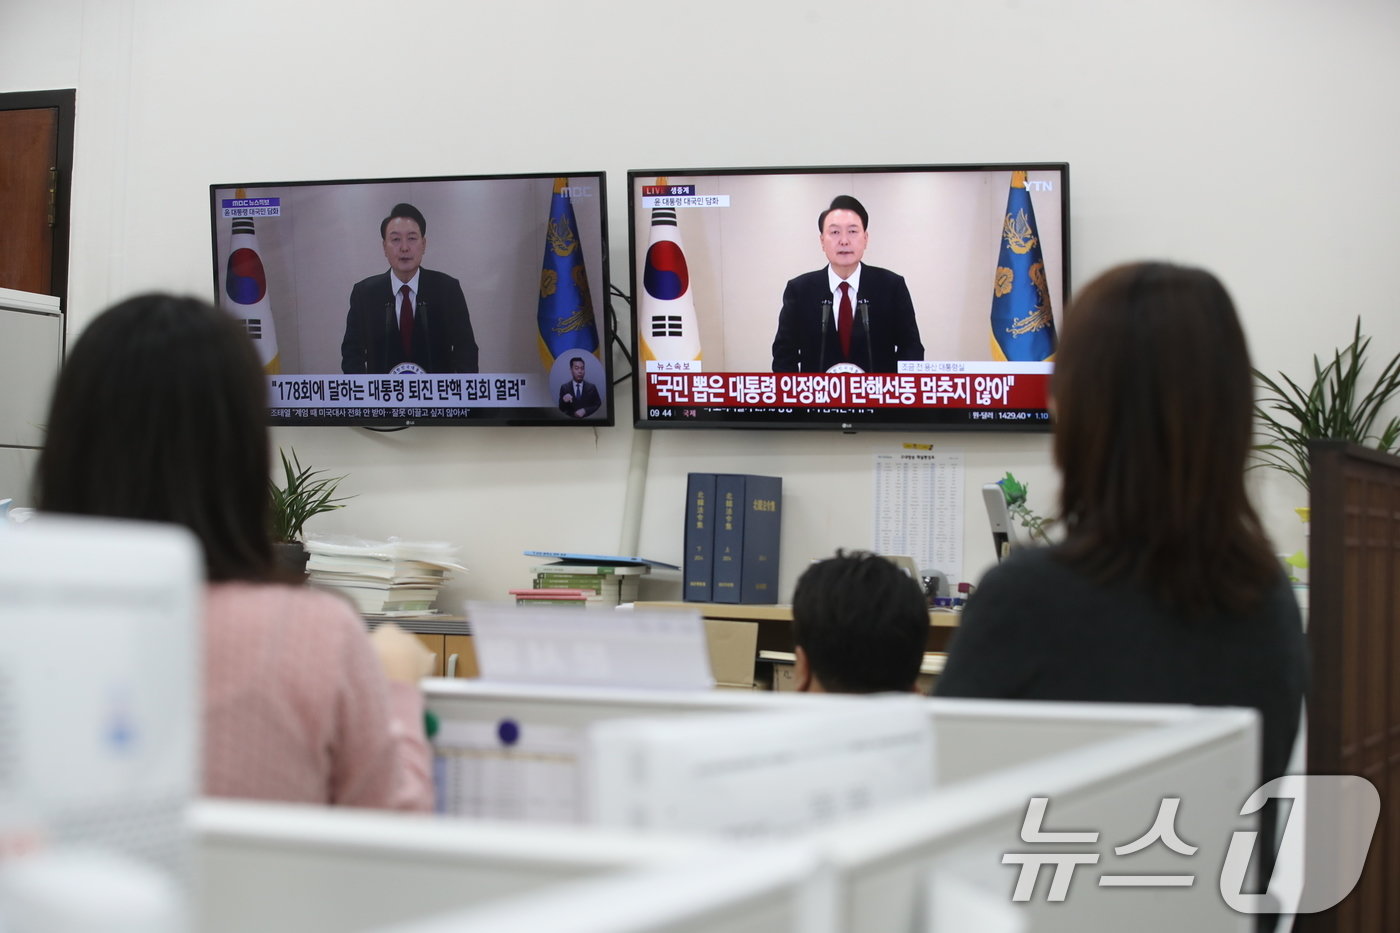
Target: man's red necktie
[[406, 323], [843, 320]]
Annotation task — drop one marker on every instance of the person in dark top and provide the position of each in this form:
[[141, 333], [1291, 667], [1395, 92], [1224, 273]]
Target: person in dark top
[[578, 398], [1165, 587], [846, 316], [860, 625], [408, 314]]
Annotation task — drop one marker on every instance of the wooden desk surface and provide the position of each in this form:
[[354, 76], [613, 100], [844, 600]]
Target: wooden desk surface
[[941, 618]]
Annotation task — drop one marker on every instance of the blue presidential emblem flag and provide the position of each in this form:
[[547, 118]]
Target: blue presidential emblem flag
[[1023, 326], [566, 319]]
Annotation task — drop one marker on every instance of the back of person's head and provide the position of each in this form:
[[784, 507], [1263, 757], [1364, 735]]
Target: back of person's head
[[844, 202], [408, 212], [158, 414], [1153, 397], [862, 624]]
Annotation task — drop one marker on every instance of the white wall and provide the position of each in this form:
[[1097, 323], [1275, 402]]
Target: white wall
[[1250, 138]]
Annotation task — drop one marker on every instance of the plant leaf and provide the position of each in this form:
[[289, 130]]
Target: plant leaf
[[304, 493]]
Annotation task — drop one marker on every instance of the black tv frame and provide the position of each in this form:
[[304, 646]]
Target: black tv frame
[[467, 258], [895, 419]]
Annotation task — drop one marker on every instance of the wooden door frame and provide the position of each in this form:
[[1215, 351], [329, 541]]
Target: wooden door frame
[[63, 101]]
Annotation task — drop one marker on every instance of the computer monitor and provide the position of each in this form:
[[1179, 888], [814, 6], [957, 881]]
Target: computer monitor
[[999, 517]]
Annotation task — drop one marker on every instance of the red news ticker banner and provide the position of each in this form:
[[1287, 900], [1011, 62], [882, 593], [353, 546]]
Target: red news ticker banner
[[849, 390]]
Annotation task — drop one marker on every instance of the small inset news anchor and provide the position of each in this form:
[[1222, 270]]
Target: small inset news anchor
[[408, 314], [578, 398], [848, 317]]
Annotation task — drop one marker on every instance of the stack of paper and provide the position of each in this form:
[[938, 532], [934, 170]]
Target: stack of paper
[[600, 584], [382, 578]]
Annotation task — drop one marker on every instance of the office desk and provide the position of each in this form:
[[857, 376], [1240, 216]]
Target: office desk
[[449, 638], [775, 622], [738, 632]]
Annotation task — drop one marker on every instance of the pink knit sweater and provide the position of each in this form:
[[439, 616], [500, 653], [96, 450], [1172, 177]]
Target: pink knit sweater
[[297, 707]]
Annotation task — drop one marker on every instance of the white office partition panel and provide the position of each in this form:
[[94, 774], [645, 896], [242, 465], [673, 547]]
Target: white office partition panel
[[1114, 790], [302, 869], [764, 889], [99, 686], [513, 752], [762, 775], [272, 868], [983, 736]]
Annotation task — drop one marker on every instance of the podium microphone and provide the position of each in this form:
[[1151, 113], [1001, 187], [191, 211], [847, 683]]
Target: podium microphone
[[863, 306]]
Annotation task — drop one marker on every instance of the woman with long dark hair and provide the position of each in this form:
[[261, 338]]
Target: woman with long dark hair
[[158, 415], [1165, 587]]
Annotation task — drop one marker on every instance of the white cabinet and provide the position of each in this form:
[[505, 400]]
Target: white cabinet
[[31, 351]]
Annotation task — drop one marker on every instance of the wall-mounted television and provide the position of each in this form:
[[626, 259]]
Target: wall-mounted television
[[504, 318], [767, 298]]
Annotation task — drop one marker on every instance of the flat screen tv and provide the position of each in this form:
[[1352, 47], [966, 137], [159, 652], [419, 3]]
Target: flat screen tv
[[740, 319], [504, 322]]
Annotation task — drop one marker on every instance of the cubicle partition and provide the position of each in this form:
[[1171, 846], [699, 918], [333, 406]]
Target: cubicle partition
[[773, 889], [513, 752], [99, 734], [940, 864], [928, 860], [285, 868], [1094, 830]]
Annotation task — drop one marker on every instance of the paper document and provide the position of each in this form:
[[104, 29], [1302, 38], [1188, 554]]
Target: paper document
[[563, 647], [918, 509], [509, 770]]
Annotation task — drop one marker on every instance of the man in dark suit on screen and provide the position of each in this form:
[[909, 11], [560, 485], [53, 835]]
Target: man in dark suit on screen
[[577, 398], [848, 317], [408, 314]]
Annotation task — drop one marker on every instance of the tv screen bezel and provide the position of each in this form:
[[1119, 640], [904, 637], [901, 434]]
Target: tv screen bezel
[[638, 232], [532, 416]]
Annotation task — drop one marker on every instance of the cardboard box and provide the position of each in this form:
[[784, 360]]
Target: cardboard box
[[733, 647]]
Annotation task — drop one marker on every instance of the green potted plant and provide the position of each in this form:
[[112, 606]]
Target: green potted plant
[[303, 493], [1333, 407], [1016, 492]]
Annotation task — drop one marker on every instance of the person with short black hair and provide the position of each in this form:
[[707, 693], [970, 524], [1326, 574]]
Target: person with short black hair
[[408, 315], [847, 317], [860, 625], [159, 415]]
